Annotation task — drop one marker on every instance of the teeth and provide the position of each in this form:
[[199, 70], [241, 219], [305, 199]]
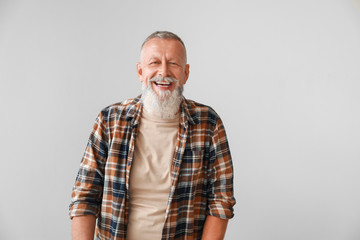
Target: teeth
[[162, 84]]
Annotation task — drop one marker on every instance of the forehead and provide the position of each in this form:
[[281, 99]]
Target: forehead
[[157, 47]]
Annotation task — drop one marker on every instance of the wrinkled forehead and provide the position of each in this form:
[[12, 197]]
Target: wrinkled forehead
[[158, 46]]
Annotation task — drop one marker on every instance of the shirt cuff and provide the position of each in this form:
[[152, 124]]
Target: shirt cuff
[[81, 209]]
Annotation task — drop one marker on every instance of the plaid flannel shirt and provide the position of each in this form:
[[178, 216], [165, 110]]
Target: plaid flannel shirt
[[201, 172]]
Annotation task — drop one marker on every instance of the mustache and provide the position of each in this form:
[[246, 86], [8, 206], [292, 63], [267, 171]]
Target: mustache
[[163, 79]]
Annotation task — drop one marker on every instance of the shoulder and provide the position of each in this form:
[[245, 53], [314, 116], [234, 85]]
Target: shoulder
[[120, 110], [200, 112]]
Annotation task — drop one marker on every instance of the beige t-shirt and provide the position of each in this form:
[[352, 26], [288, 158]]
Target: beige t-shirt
[[150, 179]]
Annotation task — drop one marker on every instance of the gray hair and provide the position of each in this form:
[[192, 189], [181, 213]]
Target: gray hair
[[163, 35]]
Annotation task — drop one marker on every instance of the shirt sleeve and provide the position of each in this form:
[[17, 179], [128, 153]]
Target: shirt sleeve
[[88, 187], [220, 192]]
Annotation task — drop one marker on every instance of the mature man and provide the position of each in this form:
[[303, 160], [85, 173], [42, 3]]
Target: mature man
[[157, 166]]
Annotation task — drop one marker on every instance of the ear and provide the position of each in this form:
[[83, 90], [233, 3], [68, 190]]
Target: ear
[[187, 72], [139, 71]]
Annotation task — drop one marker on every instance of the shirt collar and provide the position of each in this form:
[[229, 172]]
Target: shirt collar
[[188, 113], [133, 111]]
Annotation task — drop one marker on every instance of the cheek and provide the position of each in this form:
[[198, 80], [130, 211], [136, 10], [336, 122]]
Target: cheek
[[181, 78], [148, 75]]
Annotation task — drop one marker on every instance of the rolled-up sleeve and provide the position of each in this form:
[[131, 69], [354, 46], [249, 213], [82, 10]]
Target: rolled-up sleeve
[[220, 189], [88, 187]]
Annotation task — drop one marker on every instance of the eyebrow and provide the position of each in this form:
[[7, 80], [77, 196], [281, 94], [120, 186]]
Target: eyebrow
[[169, 60]]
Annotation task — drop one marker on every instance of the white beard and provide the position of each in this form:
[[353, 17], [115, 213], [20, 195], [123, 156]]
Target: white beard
[[165, 105]]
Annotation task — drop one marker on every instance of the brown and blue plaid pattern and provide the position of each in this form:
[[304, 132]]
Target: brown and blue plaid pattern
[[202, 171]]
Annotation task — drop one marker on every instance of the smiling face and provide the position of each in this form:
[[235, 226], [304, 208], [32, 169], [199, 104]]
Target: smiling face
[[165, 58]]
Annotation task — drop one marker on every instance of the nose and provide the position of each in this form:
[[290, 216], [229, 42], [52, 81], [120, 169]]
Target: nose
[[163, 71]]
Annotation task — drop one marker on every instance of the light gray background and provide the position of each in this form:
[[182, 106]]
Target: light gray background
[[283, 75]]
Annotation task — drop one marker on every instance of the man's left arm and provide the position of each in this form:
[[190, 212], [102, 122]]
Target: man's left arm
[[214, 228], [220, 192]]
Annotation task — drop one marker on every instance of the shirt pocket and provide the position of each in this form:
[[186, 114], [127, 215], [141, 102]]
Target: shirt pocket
[[192, 165]]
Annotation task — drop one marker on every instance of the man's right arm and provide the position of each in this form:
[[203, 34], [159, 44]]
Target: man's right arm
[[83, 227], [88, 188]]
